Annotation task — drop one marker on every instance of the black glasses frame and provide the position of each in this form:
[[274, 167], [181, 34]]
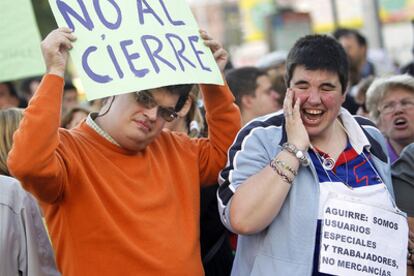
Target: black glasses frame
[[146, 99]]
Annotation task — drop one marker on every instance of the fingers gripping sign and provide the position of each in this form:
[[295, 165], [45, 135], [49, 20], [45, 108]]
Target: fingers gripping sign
[[220, 55], [55, 50], [295, 129]]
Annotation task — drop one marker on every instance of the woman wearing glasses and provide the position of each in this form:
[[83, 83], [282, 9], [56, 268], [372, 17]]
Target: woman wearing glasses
[[391, 104]]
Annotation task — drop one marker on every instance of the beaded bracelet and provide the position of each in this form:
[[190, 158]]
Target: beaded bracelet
[[275, 168], [300, 155], [285, 166]]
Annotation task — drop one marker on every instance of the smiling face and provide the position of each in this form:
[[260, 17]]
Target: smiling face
[[321, 97], [133, 125], [397, 123]]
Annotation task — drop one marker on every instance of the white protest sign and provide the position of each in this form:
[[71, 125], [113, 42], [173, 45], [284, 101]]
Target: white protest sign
[[131, 45], [360, 239]]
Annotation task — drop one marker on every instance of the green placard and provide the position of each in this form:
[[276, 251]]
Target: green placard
[[130, 45], [20, 54]]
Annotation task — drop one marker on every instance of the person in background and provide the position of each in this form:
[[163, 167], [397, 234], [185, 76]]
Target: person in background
[[356, 48], [274, 64], [284, 168], [70, 97], [403, 181], [279, 86], [361, 96], [9, 97], [390, 101], [29, 86], [121, 196], [216, 252], [253, 91], [74, 116], [25, 249], [190, 119]]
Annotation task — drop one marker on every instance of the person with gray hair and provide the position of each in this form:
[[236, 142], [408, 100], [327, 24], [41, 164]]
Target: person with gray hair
[[390, 101]]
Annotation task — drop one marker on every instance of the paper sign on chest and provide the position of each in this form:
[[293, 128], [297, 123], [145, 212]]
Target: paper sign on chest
[[359, 238], [130, 45]]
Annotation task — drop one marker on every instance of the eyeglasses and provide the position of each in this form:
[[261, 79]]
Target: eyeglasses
[[146, 99], [390, 107]]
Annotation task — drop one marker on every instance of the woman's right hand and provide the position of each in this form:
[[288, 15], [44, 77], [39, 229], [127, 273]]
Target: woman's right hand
[[295, 129]]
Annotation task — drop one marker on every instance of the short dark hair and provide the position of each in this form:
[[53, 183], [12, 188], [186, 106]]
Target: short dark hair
[[12, 89], [341, 32], [69, 86], [182, 90], [243, 81], [25, 85], [318, 52]]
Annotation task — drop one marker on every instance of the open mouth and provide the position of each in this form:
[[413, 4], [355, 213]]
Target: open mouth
[[400, 123], [312, 115]]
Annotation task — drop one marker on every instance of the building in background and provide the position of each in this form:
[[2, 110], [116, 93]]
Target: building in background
[[239, 25]]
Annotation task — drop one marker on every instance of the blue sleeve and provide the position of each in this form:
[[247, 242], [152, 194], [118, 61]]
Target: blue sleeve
[[253, 149]]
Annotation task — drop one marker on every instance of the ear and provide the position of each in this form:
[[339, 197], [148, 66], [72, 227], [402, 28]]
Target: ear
[[247, 101], [186, 108]]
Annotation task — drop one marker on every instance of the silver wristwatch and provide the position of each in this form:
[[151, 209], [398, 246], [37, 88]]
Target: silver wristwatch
[[300, 155]]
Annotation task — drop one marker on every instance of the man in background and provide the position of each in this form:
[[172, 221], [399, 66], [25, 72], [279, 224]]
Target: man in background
[[253, 91], [9, 97], [356, 47], [70, 97]]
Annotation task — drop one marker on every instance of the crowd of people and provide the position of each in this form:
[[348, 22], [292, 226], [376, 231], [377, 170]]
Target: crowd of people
[[204, 179]]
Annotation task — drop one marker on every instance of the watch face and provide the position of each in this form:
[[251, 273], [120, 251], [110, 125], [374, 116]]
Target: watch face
[[299, 154]]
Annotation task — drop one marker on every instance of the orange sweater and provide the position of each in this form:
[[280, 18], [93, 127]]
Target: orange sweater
[[113, 212]]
